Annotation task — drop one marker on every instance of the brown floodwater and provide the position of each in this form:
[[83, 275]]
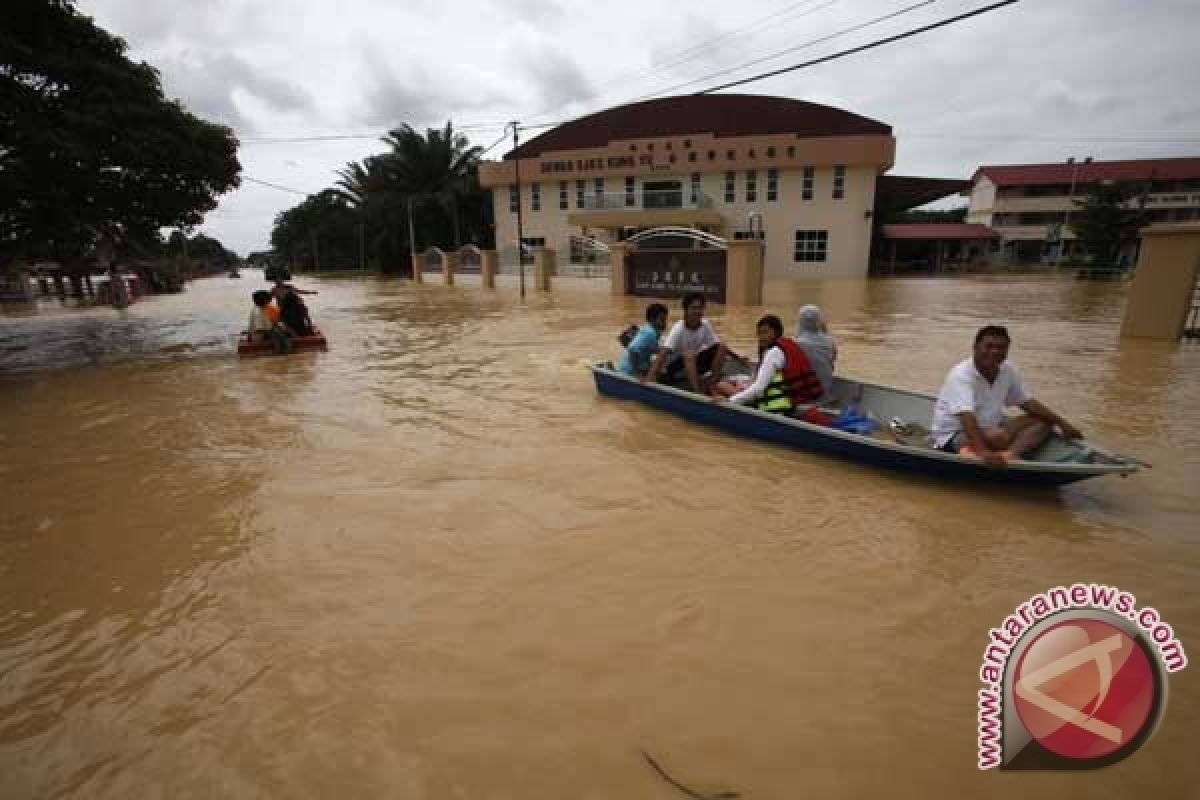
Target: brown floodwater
[[433, 563]]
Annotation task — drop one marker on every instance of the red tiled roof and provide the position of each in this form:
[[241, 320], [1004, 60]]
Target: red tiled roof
[[1159, 169], [952, 230], [718, 114]]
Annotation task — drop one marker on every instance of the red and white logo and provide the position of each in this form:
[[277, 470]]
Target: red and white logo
[[1084, 689]]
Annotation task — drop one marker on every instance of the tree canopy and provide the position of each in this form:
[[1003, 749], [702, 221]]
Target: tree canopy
[[436, 172], [1108, 220], [89, 146]]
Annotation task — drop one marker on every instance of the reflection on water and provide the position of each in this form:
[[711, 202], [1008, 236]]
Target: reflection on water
[[431, 562]]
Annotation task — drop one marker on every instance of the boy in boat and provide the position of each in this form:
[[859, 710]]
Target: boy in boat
[[785, 378], [969, 419], [640, 352], [692, 347], [265, 323]]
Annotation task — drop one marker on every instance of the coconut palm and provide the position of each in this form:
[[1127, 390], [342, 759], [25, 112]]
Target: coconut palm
[[439, 166]]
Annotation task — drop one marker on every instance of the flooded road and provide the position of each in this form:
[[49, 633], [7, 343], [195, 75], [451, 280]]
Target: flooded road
[[432, 563]]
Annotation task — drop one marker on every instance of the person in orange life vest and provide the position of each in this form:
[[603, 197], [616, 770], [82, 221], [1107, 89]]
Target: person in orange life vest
[[264, 323], [785, 377]]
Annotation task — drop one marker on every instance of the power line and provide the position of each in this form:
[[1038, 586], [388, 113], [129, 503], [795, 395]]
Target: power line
[[337, 137], [270, 185], [792, 49], [860, 48], [704, 47]]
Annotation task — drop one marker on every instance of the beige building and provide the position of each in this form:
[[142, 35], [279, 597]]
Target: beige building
[[801, 176], [1030, 205]]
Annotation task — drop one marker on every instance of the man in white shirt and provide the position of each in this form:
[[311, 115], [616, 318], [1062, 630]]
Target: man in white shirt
[[969, 418], [692, 347]]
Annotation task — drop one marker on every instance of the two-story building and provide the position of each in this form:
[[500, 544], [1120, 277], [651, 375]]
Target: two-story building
[[799, 175], [1030, 205]]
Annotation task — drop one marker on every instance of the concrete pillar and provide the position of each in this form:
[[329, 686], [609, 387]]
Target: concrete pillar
[[487, 268], [418, 268], [619, 260], [543, 268], [449, 263], [1164, 282], [744, 272]]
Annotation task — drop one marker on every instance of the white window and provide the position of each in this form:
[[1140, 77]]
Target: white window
[[630, 191], [535, 196], [580, 188], [514, 199], [839, 182], [695, 188], [810, 180], [751, 185], [811, 246], [598, 185], [730, 187], [772, 185], [562, 195]]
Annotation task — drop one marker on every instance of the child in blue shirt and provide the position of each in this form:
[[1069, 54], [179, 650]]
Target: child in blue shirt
[[636, 359]]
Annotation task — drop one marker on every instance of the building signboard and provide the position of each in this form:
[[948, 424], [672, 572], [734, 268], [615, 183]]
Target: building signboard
[[674, 273]]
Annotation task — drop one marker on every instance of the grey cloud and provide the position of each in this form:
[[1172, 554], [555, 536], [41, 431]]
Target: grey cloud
[[205, 82], [414, 95], [558, 81]]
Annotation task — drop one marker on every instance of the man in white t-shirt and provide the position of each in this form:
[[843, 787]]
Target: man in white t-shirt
[[691, 346], [969, 418]]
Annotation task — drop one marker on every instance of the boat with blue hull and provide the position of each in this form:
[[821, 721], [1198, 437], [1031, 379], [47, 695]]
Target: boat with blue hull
[[1057, 462]]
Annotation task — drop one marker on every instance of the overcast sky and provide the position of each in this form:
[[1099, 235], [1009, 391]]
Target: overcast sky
[[1037, 81]]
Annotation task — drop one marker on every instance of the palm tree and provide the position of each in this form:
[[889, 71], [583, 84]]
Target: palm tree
[[439, 166]]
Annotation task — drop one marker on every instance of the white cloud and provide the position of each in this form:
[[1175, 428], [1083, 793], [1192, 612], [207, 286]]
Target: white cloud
[[1014, 85]]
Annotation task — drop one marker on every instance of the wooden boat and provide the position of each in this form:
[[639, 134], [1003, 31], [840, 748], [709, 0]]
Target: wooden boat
[[299, 344], [1058, 461]]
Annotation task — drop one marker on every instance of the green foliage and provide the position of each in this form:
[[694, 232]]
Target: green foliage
[[89, 147], [324, 221], [435, 172], [1108, 220]]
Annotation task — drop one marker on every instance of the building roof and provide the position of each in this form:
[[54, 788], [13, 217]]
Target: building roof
[[902, 192], [1159, 169], [944, 231], [717, 114]]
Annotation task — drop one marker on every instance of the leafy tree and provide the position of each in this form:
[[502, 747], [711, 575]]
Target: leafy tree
[[436, 173], [438, 167], [89, 147], [1108, 220], [322, 231]]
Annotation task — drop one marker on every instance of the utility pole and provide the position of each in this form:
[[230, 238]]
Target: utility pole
[[520, 233], [1062, 242], [412, 241], [362, 252]]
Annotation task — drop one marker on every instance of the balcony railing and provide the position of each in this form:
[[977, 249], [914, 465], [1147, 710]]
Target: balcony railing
[[635, 201]]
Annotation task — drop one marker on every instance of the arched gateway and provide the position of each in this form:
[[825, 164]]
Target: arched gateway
[[672, 260]]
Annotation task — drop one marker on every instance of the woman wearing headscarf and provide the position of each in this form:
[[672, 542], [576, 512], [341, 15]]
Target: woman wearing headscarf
[[821, 349]]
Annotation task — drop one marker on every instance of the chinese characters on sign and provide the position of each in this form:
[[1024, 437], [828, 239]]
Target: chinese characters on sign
[[674, 273]]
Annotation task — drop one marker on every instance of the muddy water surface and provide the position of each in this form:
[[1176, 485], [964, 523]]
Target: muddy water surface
[[432, 563]]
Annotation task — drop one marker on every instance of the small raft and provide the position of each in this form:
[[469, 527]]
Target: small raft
[[299, 344]]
